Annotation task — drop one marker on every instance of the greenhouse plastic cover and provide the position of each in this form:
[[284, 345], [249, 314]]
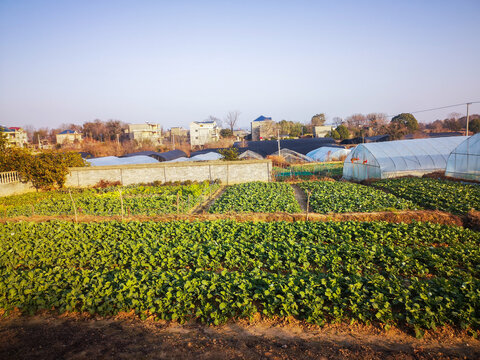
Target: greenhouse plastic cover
[[201, 157], [113, 160], [464, 161], [399, 158], [326, 153]]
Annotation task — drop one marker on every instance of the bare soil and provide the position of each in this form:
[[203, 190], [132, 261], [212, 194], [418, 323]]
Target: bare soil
[[406, 216], [300, 196], [125, 337]]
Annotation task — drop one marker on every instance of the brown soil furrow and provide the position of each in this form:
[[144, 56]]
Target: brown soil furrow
[[406, 216]]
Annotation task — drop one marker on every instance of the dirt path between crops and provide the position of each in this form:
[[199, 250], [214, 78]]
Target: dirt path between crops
[[300, 197], [203, 207], [406, 216], [67, 337]]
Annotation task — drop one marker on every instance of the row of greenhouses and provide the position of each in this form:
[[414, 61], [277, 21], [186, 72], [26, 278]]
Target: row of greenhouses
[[457, 156]]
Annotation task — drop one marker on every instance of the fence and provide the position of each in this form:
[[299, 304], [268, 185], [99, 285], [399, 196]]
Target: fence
[[331, 169], [9, 177]]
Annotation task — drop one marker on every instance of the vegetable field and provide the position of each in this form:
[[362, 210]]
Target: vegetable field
[[341, 197], [257, 197], [136, 200], [454, 197], [420, 275]]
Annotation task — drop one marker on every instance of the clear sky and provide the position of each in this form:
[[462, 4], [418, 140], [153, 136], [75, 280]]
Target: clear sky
[[173, 62]]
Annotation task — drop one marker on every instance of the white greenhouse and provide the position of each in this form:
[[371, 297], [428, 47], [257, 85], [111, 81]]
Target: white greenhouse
[[399, 158], [464, 161], [327, 153]]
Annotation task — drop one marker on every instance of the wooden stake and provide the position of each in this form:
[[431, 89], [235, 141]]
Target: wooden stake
[[73, 204]]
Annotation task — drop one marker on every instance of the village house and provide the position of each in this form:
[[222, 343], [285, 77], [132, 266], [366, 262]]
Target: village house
[[204, 132], [145, 132], [15, 135], [263, 128], [68, 137]]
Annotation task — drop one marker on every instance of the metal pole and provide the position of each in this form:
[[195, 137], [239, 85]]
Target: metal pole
[[278, 140], [468, 104]]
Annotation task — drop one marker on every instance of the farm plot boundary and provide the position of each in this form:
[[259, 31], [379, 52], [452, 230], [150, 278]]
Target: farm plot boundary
[[407, 216]]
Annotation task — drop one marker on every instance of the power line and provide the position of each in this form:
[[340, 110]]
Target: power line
[[439, 108]]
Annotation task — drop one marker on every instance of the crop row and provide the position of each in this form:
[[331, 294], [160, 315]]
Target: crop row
[[136, 200], [257, 197], [340, 197], [454, 197], [418, 274]]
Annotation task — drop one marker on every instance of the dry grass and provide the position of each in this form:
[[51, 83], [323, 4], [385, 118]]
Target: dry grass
[[406, 216]]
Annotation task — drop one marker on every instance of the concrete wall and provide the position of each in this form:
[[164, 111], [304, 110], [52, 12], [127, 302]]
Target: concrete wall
[[15, 188], [228, 172]]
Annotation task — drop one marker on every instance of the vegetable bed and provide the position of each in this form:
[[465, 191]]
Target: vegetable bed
[[342, 197], [257, 197], [137, 200], [450, 196], [420, 275]]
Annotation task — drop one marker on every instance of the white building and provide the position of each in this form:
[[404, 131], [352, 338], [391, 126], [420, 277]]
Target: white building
[[15, 135], [321, 131], [204, 132], [145, 132]]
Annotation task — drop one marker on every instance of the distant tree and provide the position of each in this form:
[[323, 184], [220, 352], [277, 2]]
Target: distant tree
[[343, 132], [376, 122], [114, 128], [405, 120], [3, 142], [229, 154], [296, 129], [474, 125], [94, 130], [437, 125], [318, 119], [333, 134], [226, 133], [232, 119], [356, 121], [452, 124], [396, 130]]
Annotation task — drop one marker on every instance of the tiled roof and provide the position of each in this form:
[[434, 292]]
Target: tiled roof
[[262, 118]]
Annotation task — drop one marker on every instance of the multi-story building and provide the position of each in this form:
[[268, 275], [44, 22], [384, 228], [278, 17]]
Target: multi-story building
[[145, 132], [204, 132], [68, 137], [263, 128], [15, 135], [321, 131]]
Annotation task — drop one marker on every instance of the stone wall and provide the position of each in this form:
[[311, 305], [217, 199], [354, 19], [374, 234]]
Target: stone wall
[[228, 172]]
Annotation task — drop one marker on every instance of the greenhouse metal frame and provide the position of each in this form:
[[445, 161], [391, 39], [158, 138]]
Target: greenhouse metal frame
[[464, 161], [399, 158]]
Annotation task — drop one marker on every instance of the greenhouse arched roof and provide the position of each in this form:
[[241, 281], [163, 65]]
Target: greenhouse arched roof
[[464, 161], [398, 158]]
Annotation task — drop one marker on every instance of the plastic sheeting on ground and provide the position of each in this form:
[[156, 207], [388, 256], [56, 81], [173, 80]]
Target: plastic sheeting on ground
[[464, 160], [399, 158], [326, 153], [113, 160]]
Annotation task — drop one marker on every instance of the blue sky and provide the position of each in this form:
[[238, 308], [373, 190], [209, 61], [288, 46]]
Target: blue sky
[[174, 62]]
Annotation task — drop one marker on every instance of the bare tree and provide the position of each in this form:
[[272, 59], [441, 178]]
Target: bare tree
[[218, 121], [318, 119], [232, 119], [337, 121]]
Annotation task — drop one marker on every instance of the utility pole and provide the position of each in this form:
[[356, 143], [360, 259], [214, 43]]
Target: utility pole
[[278, 140], [468, 104], [173, 140]]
